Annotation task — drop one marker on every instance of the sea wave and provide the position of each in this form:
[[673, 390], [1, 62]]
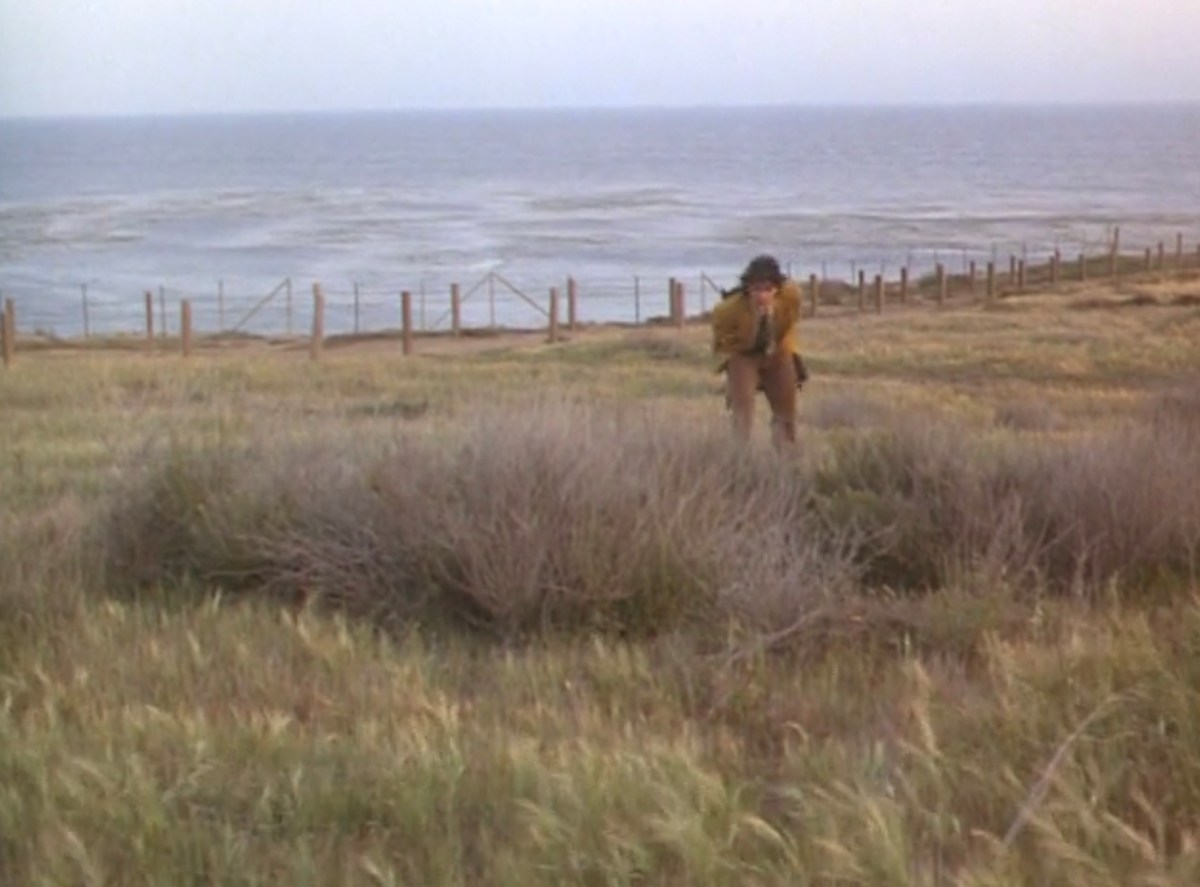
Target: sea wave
[[616, 201], [422, 201]]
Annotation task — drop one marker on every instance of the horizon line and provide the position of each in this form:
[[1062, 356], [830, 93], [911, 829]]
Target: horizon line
[[1014, 104]]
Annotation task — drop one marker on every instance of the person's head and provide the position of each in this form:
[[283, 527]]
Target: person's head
[[762, 278]]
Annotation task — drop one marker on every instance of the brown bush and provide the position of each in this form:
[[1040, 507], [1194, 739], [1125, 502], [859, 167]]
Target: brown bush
[[564, 516], [551, 516], [932, 505]]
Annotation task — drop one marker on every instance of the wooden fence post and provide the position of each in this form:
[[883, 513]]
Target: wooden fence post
[[553, 314], [317, 344], [1114, 254], [1021, 275], [991, 281], [455, 310], [878, 293], [1012, 269], [680, 304], [8, 331], [941, 284], [572, 308], [971, 280], [491, 279], [185, 327], [406, 324], [1162, 256], [1149, 262], [814, 289], [862, 290], [904, 285], [149, 316]]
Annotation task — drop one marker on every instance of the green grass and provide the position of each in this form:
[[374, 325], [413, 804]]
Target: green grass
[[527, 617]]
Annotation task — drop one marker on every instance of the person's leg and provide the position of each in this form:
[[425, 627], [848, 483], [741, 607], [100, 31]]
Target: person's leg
[[741, 384], [779, 383]]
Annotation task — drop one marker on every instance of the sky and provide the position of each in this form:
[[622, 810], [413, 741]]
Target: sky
[[135, 57]]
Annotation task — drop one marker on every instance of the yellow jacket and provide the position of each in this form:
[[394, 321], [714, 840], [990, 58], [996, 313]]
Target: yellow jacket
[[734, 322]]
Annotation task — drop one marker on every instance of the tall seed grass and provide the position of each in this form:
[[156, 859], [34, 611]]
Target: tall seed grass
[[847, 665]]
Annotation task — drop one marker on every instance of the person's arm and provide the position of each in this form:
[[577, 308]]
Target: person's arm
[[731, 332], [788, 317]]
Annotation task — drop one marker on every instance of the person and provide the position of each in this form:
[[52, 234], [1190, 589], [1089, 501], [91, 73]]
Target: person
[[755, 336]]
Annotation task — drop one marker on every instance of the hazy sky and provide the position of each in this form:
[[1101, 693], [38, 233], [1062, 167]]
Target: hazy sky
[[168, 56]]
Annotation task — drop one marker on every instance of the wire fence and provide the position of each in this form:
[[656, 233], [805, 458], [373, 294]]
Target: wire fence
[[491, 301], [495, 301]]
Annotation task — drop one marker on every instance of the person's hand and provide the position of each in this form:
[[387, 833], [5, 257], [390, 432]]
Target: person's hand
[[763, 297]]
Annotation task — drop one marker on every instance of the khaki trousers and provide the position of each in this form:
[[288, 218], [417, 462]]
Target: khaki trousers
[[776, 374]]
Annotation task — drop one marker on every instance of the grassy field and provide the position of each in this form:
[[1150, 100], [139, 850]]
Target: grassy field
[[524, 614]]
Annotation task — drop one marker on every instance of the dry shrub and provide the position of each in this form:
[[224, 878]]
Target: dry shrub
[[1029, 415], [933, 507], [1126, 505], [848, 410], [549, 516], [559, 515], [1177, 409], [924, 501]]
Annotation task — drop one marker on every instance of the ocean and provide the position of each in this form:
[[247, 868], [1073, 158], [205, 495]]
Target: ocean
[[227, 210]]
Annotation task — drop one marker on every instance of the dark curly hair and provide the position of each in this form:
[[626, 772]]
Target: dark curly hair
[[762, 269]]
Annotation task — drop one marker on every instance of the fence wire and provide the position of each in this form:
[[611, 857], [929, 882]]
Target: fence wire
[[509, 300]]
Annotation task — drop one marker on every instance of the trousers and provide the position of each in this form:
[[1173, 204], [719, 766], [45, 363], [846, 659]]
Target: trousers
[[775, 374]]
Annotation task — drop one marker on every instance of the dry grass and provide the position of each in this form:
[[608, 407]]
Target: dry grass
[[955, 639]]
